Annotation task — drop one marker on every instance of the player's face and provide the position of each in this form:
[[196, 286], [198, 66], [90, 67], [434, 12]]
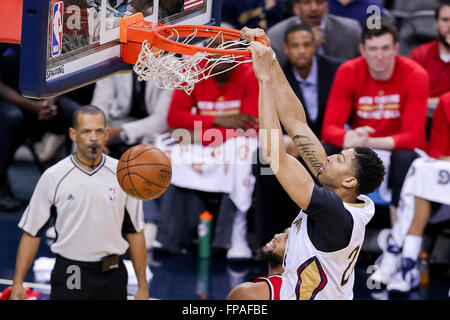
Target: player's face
[[276, 246], [300, 49], [311, 12], [380, 53], [443, 25], [338, 170], [90, 135]]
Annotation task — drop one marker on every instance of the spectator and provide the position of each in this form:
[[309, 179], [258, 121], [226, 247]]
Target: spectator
[[424, 191], [226, 101], [310, 75], [134, 109], [434, 56], [385, 96], [355, 9], [21, 118], [336, 36], [252, 13], [439, 146]]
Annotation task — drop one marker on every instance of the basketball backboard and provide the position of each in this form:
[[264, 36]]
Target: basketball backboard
[[66, 44]]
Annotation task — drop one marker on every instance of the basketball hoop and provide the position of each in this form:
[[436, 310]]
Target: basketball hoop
[[171, 56]]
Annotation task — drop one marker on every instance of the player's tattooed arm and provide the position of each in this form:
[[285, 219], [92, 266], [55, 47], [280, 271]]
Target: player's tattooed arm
[[311, 150]]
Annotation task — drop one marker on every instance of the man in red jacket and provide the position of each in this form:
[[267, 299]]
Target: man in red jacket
[[434, 56], [226, 101], [383, 97]]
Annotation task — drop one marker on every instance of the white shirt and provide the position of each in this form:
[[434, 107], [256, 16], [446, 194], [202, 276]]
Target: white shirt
[[114, 95], [310, 274], [90, 210]]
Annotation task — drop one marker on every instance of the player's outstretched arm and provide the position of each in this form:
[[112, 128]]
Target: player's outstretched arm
[[294, 178], [291, 112]]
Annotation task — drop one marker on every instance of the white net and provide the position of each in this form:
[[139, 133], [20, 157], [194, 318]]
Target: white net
[[172, 71]]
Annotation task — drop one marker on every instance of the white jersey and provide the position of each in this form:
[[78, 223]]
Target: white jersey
[[90, 210], [311, 274]]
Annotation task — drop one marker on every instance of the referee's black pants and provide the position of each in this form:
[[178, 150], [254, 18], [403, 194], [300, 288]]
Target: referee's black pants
[[75, 280]]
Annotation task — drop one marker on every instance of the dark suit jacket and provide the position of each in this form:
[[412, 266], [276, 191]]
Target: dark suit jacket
[[342, 37], [327, 67]]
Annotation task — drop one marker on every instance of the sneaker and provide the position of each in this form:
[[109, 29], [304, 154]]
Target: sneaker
[[51, 233], [150, 230], [388, 264], [407, 279], [241, 252], [49, 146], [7, 201], [380, 295], [239, 248]]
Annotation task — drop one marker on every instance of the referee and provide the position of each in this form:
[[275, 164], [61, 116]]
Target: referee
[[95, 221]]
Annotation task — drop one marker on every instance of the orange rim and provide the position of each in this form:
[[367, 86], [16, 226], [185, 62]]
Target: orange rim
[[162, 39]]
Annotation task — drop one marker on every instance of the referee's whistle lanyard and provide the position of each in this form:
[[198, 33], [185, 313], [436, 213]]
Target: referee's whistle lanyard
[[94, 151]]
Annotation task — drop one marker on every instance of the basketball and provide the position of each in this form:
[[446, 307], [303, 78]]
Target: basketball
[[144, 172]]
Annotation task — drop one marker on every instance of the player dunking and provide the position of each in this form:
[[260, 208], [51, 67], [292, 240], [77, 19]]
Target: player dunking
[[326, 237]]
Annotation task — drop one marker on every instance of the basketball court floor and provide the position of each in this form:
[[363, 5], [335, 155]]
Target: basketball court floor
[[185, 276], [83, 46]]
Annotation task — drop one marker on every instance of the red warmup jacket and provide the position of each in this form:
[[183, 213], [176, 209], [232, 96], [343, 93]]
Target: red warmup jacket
[[427, 55], [238, 95], [440, 129], [396, 107]]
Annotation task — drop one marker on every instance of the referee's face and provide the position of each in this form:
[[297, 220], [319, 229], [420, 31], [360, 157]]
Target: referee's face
[[90, 136]]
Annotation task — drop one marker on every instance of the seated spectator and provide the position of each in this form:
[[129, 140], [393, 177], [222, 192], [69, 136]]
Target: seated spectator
[[423, 193], [310, 76], [252, 13], [416, 21], [265, 288], [226, 101], [434, 56], [21, 118], [135, 109], [384, 96], [354, 9], [335, 36]]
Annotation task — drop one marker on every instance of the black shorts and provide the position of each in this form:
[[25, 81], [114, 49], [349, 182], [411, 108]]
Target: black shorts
[[76, 280]]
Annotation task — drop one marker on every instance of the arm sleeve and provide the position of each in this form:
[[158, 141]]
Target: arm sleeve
[[414, 113], [339, 107], [134, 216], [440, 129], [333, 220], [180, 116], [38, 213]]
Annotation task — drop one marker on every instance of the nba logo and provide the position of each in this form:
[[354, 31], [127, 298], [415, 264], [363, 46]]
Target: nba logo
[[57, 28], [112, 195]]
